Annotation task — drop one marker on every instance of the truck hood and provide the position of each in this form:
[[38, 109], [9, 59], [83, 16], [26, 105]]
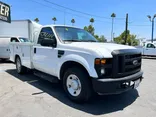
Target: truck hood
[[104, 49]]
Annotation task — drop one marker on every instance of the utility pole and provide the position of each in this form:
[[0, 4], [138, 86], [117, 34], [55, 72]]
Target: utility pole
[[126, 30]]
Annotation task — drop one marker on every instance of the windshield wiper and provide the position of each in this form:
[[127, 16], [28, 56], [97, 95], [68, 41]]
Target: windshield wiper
[[72, 40], [89, 41]]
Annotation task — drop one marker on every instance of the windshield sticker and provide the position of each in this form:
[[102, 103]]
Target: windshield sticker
[[66, 29]]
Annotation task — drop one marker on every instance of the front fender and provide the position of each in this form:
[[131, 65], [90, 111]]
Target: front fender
[[87, 64]]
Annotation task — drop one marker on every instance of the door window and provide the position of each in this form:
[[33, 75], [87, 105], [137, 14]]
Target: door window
[[14, 40], [150, 45], [46, 33]]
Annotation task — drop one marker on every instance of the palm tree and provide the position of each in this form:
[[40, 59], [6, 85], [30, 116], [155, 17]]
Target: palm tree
[[92, 21], [54, 19], [36, 20], [73, 21], [113, 15]]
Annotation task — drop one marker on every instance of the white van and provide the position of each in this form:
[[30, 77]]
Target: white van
[[4, 45]]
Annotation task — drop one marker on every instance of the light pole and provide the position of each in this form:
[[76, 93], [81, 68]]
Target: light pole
[[113, 16], [152, 20], [113, 36]]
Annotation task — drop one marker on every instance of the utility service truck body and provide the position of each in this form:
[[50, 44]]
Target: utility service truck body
[[83, 65]]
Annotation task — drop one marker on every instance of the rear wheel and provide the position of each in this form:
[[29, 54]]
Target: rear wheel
[[20, 69], [77, 85]]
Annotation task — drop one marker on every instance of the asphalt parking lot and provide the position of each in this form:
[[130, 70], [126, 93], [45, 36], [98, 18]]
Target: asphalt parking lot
[[29, 96]]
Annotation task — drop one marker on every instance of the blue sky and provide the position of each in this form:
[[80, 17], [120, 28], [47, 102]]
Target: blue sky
[[137, 10]]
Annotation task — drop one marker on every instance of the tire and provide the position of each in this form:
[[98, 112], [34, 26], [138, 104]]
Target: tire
[[20, 69], [80, 93]]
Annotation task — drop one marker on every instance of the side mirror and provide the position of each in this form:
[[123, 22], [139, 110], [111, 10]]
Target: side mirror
[[48, 42]]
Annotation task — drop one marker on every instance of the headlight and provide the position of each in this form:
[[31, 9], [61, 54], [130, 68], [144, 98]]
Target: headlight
[[103, 67], [102, 71]]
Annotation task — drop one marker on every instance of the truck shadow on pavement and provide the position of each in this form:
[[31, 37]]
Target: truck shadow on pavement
[[97, 106], [5, 61]]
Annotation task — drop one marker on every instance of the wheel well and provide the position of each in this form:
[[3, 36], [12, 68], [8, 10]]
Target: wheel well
[[70, 64], [16, 57]]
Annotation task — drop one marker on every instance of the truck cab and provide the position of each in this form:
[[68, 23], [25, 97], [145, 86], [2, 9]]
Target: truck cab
[[82, 64], [149, 49]]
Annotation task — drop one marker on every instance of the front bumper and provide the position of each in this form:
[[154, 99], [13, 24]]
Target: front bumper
[[116, 86]]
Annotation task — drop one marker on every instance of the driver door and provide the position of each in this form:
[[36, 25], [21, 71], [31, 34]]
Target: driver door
[[45, 58]]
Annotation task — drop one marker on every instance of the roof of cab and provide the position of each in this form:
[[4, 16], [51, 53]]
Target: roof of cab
[[60, 26]]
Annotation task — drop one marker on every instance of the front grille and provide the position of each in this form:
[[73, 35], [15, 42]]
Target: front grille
[[126, 63]]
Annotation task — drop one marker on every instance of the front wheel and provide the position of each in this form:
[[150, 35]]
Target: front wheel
[[77, 85], [20, 69]]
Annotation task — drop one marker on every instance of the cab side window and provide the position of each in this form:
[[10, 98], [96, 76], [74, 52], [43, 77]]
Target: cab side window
[[150, 45], [46, 33], [14, 40]]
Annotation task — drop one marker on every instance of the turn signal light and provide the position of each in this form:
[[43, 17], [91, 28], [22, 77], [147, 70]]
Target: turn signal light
[[103, 61], [97, 61], [100, 61]]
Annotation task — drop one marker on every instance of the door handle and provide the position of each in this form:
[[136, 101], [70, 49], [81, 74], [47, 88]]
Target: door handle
[[35, 50]]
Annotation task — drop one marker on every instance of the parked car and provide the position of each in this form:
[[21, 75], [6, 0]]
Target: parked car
[[4, 45], [83, 65], [149, 49]]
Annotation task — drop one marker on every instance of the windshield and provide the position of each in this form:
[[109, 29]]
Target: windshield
[[24, 39], [74, 34]]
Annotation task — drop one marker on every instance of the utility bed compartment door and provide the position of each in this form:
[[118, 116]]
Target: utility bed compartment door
[[26, 56], [4, 52], [24, 51]]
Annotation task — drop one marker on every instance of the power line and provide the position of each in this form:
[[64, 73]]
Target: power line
[[140, 25], [45, 5], [80, 11], [58, 9], [81, 15], [65, 11]]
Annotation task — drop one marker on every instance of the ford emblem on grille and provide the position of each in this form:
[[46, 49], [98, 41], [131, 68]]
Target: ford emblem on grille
[[135, 62]]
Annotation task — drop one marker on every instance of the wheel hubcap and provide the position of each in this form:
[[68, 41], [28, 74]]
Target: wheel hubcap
[[73, 85]]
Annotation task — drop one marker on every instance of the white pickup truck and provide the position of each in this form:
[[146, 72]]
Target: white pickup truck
[[82, 64], [149, 49]]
